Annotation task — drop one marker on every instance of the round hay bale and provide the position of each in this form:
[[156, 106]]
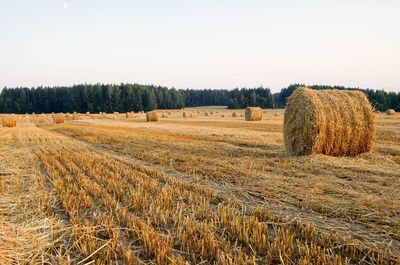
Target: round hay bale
[[330, 122], [75, 116], [9, 121], [276, 114], [390, 112], [129, 115], [164, 116], [206, 113], [58, 118], [234, 114], [253, 114], [187, 114], [222, 115], [152, 116]]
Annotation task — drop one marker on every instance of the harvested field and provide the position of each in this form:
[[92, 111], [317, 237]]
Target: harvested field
[[194, 190]]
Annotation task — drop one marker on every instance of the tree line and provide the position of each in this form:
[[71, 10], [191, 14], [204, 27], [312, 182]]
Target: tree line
[[135, 97], [380, 99]]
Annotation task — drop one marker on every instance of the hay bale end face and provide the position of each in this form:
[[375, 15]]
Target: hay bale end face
[[253, 114], [9, 121], [58, 118], [390, 112], [330, 122], [152, 116]]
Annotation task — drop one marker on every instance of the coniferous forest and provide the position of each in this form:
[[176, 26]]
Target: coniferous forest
[[135, 97]]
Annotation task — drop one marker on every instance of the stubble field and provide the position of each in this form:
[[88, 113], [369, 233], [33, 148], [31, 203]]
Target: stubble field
[[106, 189]]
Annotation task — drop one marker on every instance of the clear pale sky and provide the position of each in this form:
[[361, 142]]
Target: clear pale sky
[[201, 44]]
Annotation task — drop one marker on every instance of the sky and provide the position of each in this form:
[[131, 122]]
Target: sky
[[201, 44]]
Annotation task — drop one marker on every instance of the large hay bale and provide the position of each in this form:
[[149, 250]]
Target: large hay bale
[[253, 114], [330, 122], [9, 121], [152, 116], [390, 112], [58, 118]]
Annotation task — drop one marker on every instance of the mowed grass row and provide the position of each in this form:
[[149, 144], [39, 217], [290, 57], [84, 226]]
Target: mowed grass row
[[356, 195], [121, 211]]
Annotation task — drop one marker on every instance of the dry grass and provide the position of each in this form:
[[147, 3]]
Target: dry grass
[[321, 122], [208, 190], [30, 231]]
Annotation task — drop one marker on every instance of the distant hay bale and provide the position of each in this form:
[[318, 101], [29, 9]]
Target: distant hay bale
[[152, 116], [211, 112], [58, 118], [164, 116], [390, 112], [187, 114], [169, 113], [234, 114], [330, 122], [222, 115], [129, 115], [75, 116], [253, 114], [9, 121], [276, 114], [87, 113], [206, 113]]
